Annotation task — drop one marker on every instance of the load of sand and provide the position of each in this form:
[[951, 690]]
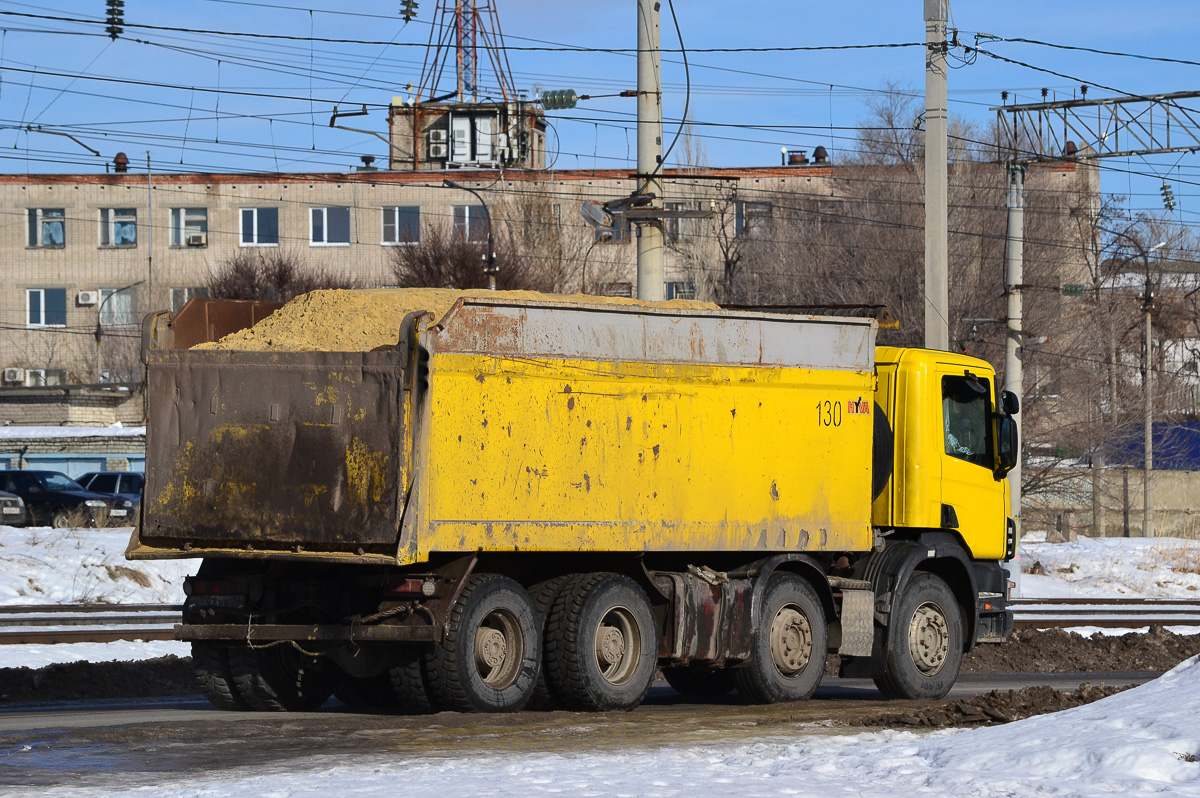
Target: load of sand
[[366, 320]]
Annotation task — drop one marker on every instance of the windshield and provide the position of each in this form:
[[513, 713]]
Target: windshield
[[59, 482]]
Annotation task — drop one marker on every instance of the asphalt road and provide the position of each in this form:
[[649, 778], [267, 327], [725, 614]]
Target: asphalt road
[[149, 741]]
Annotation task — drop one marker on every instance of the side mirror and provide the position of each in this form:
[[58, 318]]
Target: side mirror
[[1006, 439], [1009, 403]]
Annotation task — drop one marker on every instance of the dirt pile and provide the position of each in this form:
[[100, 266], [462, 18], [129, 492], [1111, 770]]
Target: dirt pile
[[165, 676], [998, 706], [367, 320], [1060, 651]]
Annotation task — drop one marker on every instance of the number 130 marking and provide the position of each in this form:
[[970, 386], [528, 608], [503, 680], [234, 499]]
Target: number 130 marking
[[829, 414]]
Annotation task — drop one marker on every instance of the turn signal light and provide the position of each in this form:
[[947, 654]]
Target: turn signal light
[[418, 586]]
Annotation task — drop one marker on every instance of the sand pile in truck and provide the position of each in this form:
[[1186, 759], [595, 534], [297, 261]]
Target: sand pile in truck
[[366, 320]]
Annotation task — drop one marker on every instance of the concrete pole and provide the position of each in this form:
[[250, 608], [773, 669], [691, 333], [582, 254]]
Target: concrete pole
[[937, 293], [1014, 266], [649, 149], [1148, 465]]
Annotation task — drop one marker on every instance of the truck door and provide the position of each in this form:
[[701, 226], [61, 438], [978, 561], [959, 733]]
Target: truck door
[[972, 496]]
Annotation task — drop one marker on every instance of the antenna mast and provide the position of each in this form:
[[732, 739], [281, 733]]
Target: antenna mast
[[461, 27]]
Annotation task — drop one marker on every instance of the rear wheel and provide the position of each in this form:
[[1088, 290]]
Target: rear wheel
[[279, 678], [690, 681], [925, 642], [787, 655], [210, 662], [602, 644], [409, 684], [488, 659], [544, 594]]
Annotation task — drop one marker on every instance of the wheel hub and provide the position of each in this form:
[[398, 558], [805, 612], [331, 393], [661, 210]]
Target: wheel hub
[[791, 640], [929, 639], [611, 644], [498, 637], [490, 648], [618, 646]]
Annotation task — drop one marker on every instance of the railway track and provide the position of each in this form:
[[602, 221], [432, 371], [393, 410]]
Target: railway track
[[105, 623]]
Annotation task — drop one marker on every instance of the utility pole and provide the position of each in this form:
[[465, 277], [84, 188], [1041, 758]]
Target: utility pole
[[1148, 432], [937, 292], [649, 150], [1014, 264]]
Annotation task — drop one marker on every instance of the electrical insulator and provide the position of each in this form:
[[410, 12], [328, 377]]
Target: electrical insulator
[[408, 10], [558, 99], [1168, 196], [116, 17]]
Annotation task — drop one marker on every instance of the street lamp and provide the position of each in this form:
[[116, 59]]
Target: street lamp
[[490, 256], [100, 314]]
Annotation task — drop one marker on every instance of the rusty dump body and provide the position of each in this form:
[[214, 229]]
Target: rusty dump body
[[513, 427]]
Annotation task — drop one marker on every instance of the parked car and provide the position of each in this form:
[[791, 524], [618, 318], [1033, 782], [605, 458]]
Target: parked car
[[126, 484], [12, 510], [54, 499]]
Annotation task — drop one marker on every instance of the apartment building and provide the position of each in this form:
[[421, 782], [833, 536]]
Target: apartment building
[[85, 256]]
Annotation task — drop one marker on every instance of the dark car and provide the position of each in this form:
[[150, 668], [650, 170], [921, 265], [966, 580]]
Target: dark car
[[54, 499], [12, 510], [126, 484]]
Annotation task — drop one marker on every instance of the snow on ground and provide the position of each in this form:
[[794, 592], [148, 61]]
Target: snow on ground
[[1111, 567], [1145, 741]]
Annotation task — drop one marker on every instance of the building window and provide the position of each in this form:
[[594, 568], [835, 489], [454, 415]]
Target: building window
[[473, 138], [180, 296], [751, 217], [470, 222], [260, 227], [618, 289], [330, 226], [679, 290], [118, 227], [47, 227], [46, 307], [189, 227], [676, 228], [118, 308], [402, 225]]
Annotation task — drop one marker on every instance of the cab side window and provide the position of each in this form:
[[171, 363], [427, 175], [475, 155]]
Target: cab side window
[[965, 419]]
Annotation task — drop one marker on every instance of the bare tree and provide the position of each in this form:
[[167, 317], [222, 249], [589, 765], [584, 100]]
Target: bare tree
[[276, 276]]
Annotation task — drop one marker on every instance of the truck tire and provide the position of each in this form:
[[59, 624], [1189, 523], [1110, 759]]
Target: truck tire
[[210, 663], [279, 678], [544, 594], [690, 681], [601, 644], [925, 647], [410, 687], [787, 654], [371, 692], [488, 659]]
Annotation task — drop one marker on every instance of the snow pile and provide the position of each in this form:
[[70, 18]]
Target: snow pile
[[83, 566], [1097, 567], [1142, 742]]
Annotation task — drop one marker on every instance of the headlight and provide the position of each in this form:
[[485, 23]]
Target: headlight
[[127, 503], [94, 503]]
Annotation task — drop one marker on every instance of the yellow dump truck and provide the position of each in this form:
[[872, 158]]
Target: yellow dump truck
[[543, 501]]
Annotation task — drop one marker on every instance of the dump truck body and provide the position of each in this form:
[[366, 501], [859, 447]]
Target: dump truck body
[[535, 499]]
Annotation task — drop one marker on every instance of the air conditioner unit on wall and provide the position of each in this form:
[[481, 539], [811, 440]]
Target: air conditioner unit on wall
[[87, 297], [14, 375], [437, 150], [437, 137], [197, 240]]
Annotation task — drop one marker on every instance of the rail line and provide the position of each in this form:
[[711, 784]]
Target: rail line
[[105, 623]]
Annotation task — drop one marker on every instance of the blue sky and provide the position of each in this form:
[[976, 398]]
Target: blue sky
[[201, 102]]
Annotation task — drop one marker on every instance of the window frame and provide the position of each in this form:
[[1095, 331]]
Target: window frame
[[183, 224], [42, 311], [38, 219], [255, 212], [188, 292], [107, 313], [986, 457], [324, 212], [399, 226], [750, 217], [466, 218], [113, 219]]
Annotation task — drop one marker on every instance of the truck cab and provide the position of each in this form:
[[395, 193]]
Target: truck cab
[[951, 448]]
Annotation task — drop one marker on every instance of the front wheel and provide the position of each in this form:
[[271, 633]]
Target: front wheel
[[925, 642], [787, 655]]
